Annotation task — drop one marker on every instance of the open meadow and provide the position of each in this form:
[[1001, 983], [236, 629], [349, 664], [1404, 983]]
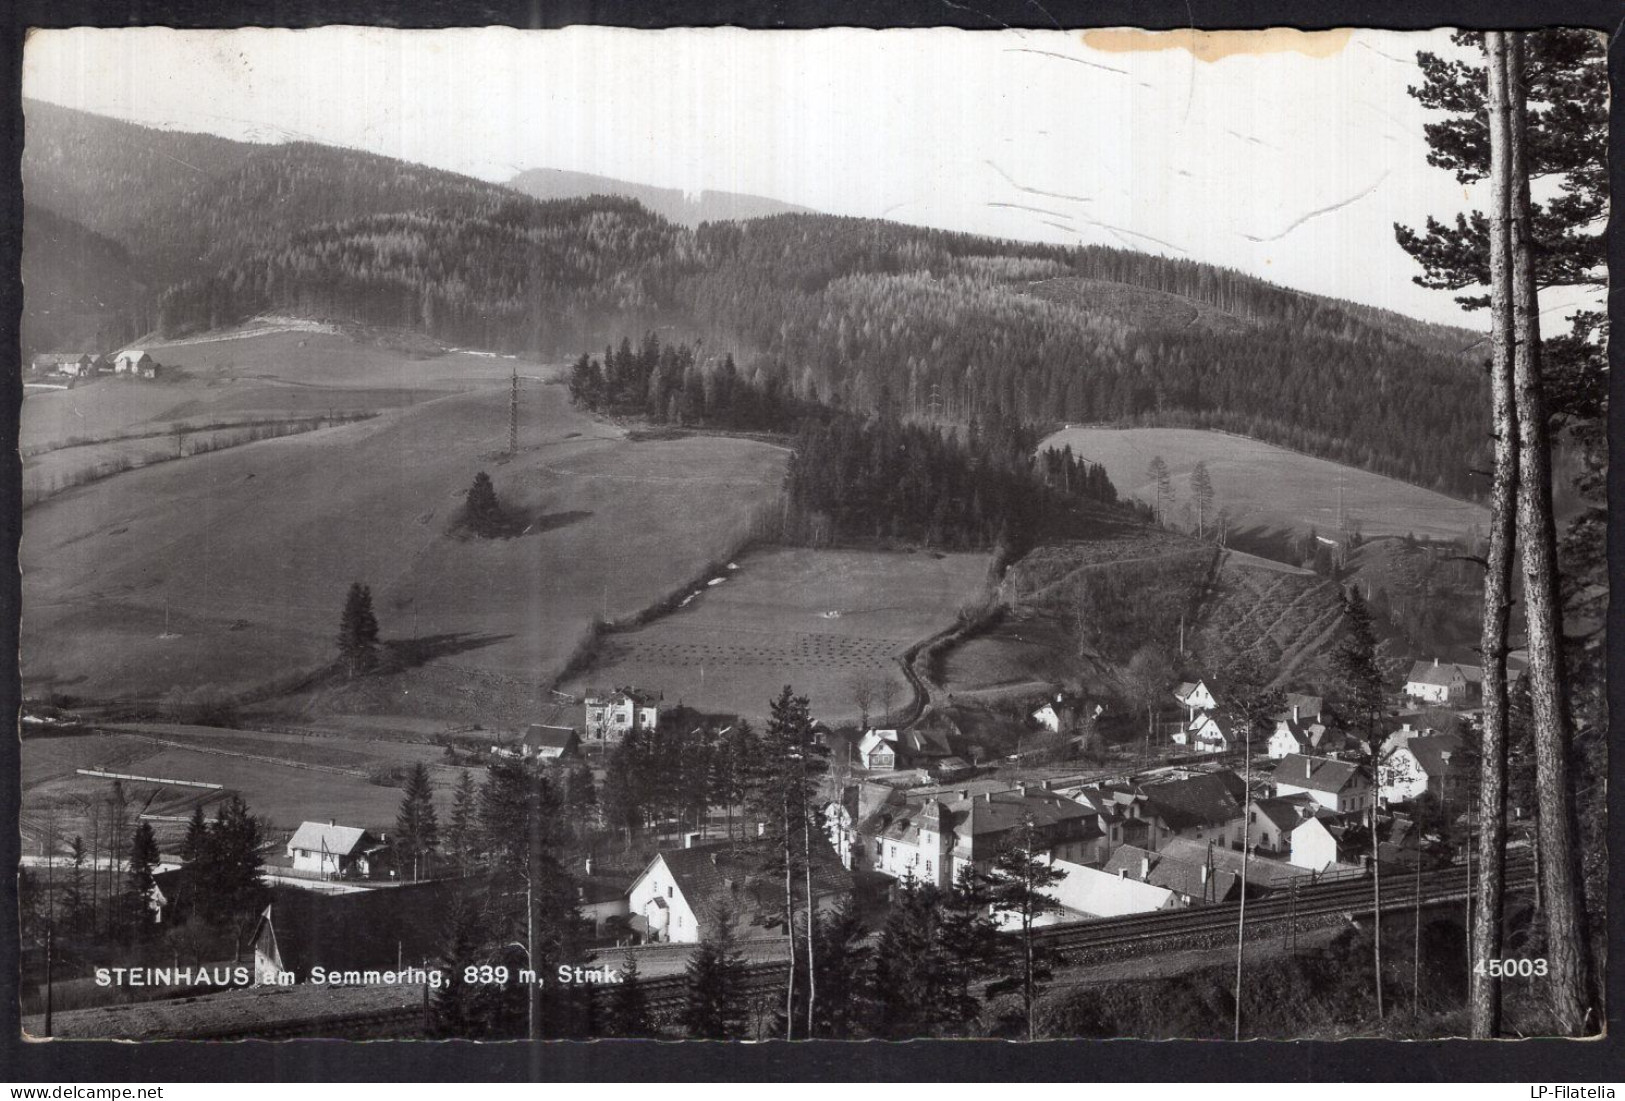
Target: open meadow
[[1267, 489], [229, 570], [285, 778], [816, 619]]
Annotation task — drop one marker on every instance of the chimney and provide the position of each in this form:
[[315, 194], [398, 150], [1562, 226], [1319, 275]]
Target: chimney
[[332, 821], [1435, 663], [987, 797], [1308, 768], [761, 829], [964, 793], [690, 838], [1121, 873], [1295, 714], [589, 865], [1145, 869]]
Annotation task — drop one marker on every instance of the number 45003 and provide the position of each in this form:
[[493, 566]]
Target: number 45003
[[1508, 969]]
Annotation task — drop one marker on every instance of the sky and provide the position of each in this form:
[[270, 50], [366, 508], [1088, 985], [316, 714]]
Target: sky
[[1282, 154]]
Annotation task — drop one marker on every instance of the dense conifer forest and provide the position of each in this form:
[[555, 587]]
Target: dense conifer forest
[[855, 478], [849, 313]]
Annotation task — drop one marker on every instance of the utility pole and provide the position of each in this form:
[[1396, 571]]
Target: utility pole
[[1241, 920], [513, 413]]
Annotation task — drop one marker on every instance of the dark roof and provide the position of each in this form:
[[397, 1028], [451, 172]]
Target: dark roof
[[923, 743], [728, 872], [538, 736], [1429, 752], [594, 889], [1261, 871], [360, 929], [1285, 813], [1183, 876], [1211, 799], [1444, 673], [1315, 773]]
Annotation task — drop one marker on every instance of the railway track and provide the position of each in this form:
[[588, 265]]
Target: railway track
[[1135, 935]]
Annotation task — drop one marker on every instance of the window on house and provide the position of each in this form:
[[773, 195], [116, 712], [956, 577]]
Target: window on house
[[668, 892], [927, 867]]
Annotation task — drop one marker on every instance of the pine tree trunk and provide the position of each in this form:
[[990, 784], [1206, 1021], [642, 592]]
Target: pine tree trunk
[[812, 921], [1570, 981], [1484, 997], [1246, 822], [789, 929]]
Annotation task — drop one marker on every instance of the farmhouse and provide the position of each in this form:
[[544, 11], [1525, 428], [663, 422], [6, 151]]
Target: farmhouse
[[543, 743], [613, 715], [1063, 713], [1341, 787], [1422, 764], [378, 930], [1316, 843], [683, 893], [1450, 683], [335, 851], [75, 364], [134, 361]]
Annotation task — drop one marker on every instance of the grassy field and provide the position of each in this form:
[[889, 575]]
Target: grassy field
[[230, 569], [1268, 489], [264, 376], [813, 618], [283, 777]]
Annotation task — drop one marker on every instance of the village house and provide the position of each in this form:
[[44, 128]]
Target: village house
[[1195, 698], [1205, 734], [1316, 843], [611, 716], [1270, 822], [1451, 684], [543, 743], [1062, 713], [1296, 736], [601, 899], [336, 852], [382, 930], [1206, 807], [1189, 882], [931, 839], [135, 362], [929, 750], [683, 893], [1341, 787], [72, 364], [1262, 874], [1422, 764], [1088, 892]]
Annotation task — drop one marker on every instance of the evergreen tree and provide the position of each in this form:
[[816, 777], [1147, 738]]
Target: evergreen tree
[[76, 914], [462, 834], [629, 1016], [843, 975], [358, 630], [911, 969], [483, 514], [417, 826], [197, 833], [143, 860], [715, 1006], [1017, 881], [228, 879], [971, 946], [459, 1009]]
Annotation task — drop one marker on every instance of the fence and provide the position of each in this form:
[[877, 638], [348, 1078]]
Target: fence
[[146, 779]]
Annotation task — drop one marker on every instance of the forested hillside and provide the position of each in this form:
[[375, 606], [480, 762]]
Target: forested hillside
[[668, 202], [838, 310], [83, 293]]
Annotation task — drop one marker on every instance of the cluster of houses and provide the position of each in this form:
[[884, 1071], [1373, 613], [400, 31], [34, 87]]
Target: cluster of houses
[[131, 362], [1169, 838]]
